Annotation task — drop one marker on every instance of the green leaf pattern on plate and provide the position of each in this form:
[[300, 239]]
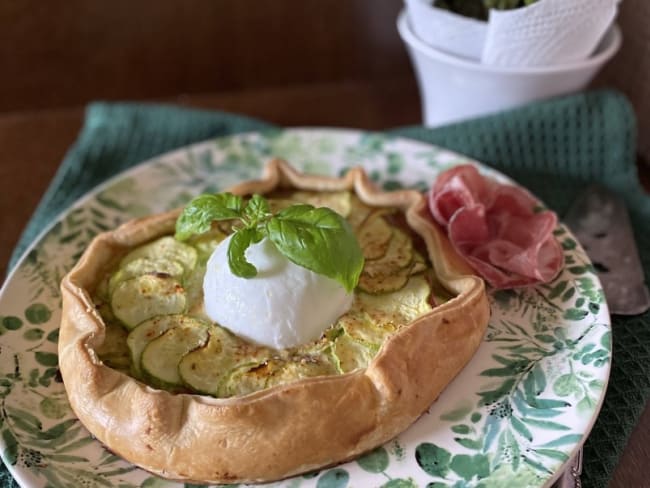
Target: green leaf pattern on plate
[[544, 370], [512, 418]]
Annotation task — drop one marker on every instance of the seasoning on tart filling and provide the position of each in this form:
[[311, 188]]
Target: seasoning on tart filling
[[154, 377], [158, 331]]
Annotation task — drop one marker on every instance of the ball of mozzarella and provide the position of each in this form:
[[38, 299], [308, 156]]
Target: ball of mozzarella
[[285, 305]]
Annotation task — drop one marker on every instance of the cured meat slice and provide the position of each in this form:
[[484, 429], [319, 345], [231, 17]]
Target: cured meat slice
[[461, 186], [496, 228]]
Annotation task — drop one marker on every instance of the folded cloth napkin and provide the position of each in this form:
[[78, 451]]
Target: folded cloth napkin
[[554, 148]]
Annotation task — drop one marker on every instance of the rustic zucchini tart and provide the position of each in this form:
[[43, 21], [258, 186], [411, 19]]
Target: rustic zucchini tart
[[160, 383]]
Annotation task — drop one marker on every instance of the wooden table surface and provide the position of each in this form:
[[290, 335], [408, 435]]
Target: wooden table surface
[[33, 143]]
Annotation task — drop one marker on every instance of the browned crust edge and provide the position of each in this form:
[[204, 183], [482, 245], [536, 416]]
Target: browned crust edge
[[285, 430]]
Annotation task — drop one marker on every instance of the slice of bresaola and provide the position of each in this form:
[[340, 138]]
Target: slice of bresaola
[[496, 229]]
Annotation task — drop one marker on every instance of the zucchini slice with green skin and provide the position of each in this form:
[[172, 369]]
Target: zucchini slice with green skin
[[398, 255], [151, 329], [206, 243], [390, 272], [249, 377], [142, 266], [160, 358], [338, 201], [193, 286], [350, 355], [359, 212], [384, 283], [371, 334], [207, 367], [299, 367], [141, 298], [400, 251], [166, 248], [401, 306], [374, 236]]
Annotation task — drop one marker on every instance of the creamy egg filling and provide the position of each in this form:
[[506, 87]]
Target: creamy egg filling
[[177, 319]]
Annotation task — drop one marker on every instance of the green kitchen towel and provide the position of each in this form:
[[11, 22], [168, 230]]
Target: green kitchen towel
[[554, 148], [117, 136]]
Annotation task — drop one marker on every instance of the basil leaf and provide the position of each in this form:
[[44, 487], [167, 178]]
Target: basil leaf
[[257, 208], [318, 239], [239, 242], [198, 215]]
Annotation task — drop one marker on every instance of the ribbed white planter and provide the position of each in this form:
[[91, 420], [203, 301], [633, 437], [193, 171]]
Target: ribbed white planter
[[454, 88]]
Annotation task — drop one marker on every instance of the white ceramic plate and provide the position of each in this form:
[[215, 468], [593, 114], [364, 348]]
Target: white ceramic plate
[[513, 417]]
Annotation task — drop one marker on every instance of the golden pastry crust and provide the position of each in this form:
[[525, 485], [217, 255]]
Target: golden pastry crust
[[284, 430]]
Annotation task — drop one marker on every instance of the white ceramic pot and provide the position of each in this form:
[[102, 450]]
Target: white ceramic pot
[[453, 88]]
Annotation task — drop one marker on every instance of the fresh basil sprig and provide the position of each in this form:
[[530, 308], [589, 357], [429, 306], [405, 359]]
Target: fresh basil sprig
[[318, 239]]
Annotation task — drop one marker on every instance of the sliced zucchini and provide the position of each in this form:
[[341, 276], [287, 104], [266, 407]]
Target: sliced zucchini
[[249, 377], [401, 306], [151, 329], [160, 358], [304, 366], [390, 272], [142, 266], [206, 243], [374, 236], [339, 201], [350, 355], [254, 376], [193, 286], [146, 296], [359, 212], [205, 369], [398, 255], [383, 283], [166, 248], [371, 334]]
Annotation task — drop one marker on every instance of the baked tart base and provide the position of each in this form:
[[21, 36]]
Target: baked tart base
[[287, 429]]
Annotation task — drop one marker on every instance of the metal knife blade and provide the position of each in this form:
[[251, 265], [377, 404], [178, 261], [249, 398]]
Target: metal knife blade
[[600, 221], [570, 478]]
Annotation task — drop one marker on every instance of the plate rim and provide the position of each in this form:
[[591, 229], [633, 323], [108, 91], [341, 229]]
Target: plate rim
[[337, 132]]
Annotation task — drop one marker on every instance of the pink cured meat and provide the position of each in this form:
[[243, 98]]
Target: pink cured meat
[[496, 229]]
